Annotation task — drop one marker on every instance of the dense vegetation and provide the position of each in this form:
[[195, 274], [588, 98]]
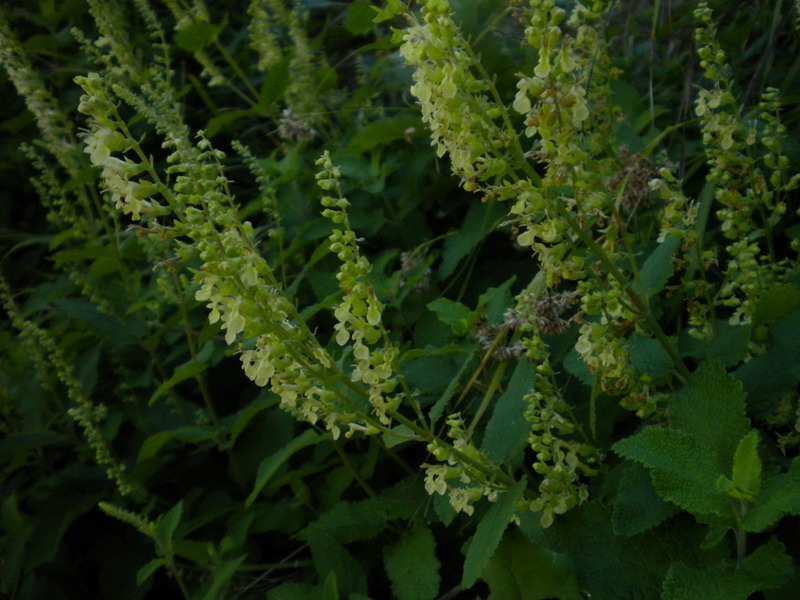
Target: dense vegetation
[[313, 299]]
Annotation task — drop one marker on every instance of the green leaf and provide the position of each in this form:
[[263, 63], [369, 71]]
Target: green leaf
[[775, 303], [452, 387], [683, 470], [147, 570], [331, 556], [479, 222], [711, 407], [16, 531], [382, 132], [412, 565], [330, 590], [452, 313], [729, 346], [222, 576], [186, 371], [507, 431], [196, 36], [767, 568], [29, 440], [294, 591], [747, 467], [637, 506], [246, 415], [397, 435], [496, 301], [520, 570], [218, 122], [275, 83], [780, 495], [393, 8], [611, 567], [489, 532], [649, 356], [769, 376], [152, 444], [349, 522], [166, 525], [658, 267], [103, 325], [269, 465]]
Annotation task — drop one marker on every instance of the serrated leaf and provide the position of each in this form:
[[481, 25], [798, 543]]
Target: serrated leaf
[[349, 522], [775, 303], [766, 568], [331, 556], [393, 8], [507, 431], [683, 470], [269, 465], [747, 466], [648, 356], [711, 407], [454, 314], [780, 495], [489, 532], [638, 507], [768, 376], [520, 570], [294, 591], [611, 567], [359, 18], [658, 267], [412, 565], [496, 301], [729, 345]]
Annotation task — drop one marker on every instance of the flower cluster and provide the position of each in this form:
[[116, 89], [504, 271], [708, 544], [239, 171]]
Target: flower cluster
[[129, 193], [464, 473], [277, 33], [186, 15], [559, 458], [359, 313], [749, 199], [53, 125], [453, 101], [89, 416]]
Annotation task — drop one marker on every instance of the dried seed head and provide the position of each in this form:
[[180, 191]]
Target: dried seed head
[[291, 128]]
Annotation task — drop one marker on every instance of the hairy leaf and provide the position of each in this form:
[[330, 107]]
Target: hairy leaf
[[780, 495], [520, 570], [766, 568], [637, 506], [683, 470], [412, 565], [712, 408]]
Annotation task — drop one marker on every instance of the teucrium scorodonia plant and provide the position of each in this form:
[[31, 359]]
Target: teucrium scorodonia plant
[[632, 288]]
